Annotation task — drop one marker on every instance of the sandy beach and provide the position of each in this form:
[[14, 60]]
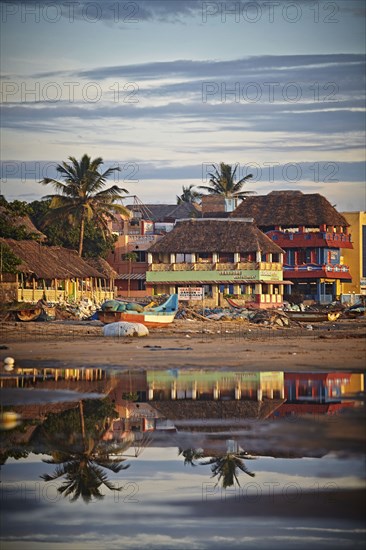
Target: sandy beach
[[184, 344]]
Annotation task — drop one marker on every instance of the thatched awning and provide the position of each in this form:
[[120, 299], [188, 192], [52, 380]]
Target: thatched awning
[[215, 235], [50, 262], [168, 212], [132, 276], [289, 209]]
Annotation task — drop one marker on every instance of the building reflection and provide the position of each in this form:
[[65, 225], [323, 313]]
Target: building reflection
[[206, 414]]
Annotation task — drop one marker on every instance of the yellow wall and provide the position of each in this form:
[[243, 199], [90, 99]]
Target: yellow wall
[[353, 258]]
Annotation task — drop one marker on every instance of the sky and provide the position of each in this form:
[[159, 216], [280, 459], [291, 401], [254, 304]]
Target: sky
[[165, 505], [164, 89]]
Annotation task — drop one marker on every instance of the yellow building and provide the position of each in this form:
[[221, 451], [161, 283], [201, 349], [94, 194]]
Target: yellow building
[[356, 258]]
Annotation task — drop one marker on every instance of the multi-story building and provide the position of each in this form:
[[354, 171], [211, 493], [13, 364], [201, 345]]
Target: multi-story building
[[147, 224], [221, 256], [313, 235], [356, 257]]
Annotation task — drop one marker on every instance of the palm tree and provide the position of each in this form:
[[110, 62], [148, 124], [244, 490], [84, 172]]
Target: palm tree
[[129, 257], [82, 464], [84, 473], [188, 195], [190, 455], [81, 196], [227, 466], [223, 182]]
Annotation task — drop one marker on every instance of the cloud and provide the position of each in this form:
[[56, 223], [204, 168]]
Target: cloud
[[173, 11]]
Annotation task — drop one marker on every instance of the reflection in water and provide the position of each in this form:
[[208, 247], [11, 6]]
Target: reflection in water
[[81, 458], [162, 421], [224, 466], [191, 456]]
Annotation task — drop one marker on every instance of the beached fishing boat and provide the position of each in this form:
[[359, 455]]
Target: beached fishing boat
[[28, 314], [36, 313], [158, 316], [309, 316]]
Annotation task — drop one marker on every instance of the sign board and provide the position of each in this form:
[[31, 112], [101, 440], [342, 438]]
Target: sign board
[[190, 293]]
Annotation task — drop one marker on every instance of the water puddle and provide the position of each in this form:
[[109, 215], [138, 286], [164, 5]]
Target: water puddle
[[181, 458]]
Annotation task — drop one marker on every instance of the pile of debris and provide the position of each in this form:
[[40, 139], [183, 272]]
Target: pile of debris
[[269, 317]]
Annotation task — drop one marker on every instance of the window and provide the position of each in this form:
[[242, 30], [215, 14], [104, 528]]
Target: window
[[141, 256], [141, 284]]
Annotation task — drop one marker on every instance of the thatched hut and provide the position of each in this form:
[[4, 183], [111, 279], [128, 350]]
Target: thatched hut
[[291, 209], [53, 273], [312, 234], [220, 255]]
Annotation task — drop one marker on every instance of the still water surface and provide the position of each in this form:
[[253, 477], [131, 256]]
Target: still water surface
[[173, 459]]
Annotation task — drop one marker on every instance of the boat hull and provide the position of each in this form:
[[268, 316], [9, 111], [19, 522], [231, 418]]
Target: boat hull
[[28, 314], [149, 319], [313, 316]]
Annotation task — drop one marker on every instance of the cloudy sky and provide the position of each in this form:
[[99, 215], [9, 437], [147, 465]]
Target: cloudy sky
[[165, 505], [166, 88]]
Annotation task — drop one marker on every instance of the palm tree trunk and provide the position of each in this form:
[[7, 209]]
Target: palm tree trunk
[[82, 422], [81, 238]]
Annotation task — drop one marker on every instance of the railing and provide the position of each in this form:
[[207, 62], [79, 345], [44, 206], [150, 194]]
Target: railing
[[317, 267], [313, 237], [52, 295], [239, 266], [270, 266]]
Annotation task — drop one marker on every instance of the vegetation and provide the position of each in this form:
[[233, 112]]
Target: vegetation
[[188, 195], [10, 230], [227, 467], [8, 260], [222, 182], [78, 452], [81, 198], [190, 455]]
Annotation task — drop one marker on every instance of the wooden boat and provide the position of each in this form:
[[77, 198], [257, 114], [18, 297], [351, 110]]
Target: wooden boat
[[158, 316], [35, 313], [309, 316], [28, 314]]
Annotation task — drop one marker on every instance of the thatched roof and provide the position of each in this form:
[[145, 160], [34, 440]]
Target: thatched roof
[[187, 410], [215, 235], [289, 209], [170, 212], [101, 265], [13, 220], [50, 262]]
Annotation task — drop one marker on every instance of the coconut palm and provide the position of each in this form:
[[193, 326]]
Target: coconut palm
[[188, 195], [227, 466], [81, 196], [83, 472], [222, 182], [190, 455], [82, 463]]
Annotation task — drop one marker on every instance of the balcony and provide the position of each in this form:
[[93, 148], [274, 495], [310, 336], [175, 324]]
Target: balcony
[[239, 266], [314, 271], [310, 239]]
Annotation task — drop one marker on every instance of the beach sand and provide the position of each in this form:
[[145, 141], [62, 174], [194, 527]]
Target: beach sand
[[196, 344]]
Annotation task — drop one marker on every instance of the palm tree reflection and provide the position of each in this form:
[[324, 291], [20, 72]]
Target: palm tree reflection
[[84, 473], [190, 455], [227, 466], [82, 462]]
